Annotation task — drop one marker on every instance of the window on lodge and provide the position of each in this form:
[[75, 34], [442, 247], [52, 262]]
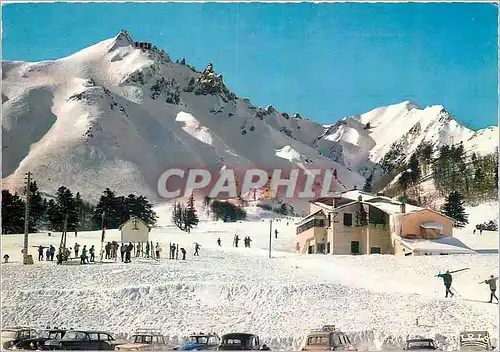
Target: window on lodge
[[310, 224]]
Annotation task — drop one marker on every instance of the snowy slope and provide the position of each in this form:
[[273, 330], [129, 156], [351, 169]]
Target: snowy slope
[[113, 115], [376, 298], [394, 134]]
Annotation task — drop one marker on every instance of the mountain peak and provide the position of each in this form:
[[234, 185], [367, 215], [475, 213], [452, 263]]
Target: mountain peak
[[122, 39]]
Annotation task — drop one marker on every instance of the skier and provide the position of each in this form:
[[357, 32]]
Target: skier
[[139, 248], [236, 240], [158, 250], [77, 249], [447, 280], [40, 253], [47, 254], [83, 257], [52, 252], [249, 241], [492, 281], [107, 249], [123, 249], [128, 251], [196, 249], [218, 241], [92, 253], [276, 233], [147, 249], [183, 251], [6, 258]]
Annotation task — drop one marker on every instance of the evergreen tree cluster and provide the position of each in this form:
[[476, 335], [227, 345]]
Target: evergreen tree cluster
[[227, 211], [185, 216], [454, 208], [119, 209]]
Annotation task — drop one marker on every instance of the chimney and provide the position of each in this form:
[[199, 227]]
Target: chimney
[[403, 207]]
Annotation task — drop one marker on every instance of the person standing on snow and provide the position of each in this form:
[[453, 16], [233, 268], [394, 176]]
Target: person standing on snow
[[47, 254], [158, 250], [40, 253], [183, 251], [218, 241], [492, 281], [92, 253], [276, 233], [147, 249], [236, 240], [123, 248], [249, 241], [196, 249], [52, 251], [447, 280], [77, 249], [83, 257]]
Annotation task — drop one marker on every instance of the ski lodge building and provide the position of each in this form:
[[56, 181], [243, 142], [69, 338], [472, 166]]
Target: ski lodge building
[[356, 222], [134, 230]]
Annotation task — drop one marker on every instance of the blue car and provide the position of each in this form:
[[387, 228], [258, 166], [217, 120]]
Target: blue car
[[198, 342]]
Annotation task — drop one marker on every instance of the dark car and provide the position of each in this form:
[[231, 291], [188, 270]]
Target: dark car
[[240, 342], [84, 340], [37, 343], [11, 336], [198, 342], [420, 344]]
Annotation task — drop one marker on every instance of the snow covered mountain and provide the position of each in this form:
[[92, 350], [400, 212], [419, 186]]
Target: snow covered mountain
[[119, 113], [379, 140]]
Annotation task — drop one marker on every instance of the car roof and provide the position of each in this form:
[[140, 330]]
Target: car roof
[[421, 340], [234, 334], [90, 331]]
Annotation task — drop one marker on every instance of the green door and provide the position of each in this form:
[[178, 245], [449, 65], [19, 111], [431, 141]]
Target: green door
[[354, 247]]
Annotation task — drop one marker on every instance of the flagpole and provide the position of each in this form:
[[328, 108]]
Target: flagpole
[[102, 235]]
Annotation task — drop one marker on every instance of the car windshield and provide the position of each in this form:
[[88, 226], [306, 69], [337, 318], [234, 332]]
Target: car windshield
[[75, 335], [10, 334], [197, 339], [318, 340], [420, 344], [143, 339]]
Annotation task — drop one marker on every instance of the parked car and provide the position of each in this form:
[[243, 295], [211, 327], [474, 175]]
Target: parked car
[[201, 341], [11, 336], [240, 342], [37, 343], [420, 344], [145, 340], [84, 340], [475, 341], [327, 338], [491, 225]]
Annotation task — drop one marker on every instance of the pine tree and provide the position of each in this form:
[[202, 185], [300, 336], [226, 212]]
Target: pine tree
[[404, 180], [361, 216], [425, 151], [415, 169], [454, 208], [65, 206], [108, 203], [37, 208], [191, 216], [13, 208], [368, 184]]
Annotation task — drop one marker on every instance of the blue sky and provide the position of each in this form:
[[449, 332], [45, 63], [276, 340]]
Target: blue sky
[[325, 61]]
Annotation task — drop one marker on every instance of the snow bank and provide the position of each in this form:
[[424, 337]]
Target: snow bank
[[376, 298]]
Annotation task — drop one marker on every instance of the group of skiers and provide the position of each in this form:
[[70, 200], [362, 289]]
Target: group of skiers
[[448, 279], [145, 250], [236, 240], [49, 253]]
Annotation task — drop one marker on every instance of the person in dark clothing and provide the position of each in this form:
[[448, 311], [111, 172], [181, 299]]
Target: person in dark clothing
[[172, 251], [40, 253], [196, 249], [236, 240], [92, 253], [52, 251], [147, 249], [218, 241], [447, 280], [123, 249], [492, 281], [47, 254], [157, 250], [245, 241], [276, 233], [183, 251], [83, 257], [77, 248], [107, 248], [249, 241], [128, 252]]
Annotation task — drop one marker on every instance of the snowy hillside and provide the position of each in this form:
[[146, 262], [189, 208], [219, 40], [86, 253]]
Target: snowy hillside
[[383, 138], [376, 299], [115, 115]]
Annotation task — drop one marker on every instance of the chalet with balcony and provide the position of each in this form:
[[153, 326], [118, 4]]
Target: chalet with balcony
[[356, 222]]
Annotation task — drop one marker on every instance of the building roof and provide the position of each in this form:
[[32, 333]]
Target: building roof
[[131, 219], [449, 245], [355, 193], [311, 215]]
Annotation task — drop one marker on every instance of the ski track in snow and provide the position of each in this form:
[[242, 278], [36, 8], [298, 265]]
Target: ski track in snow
[[376, 299]]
